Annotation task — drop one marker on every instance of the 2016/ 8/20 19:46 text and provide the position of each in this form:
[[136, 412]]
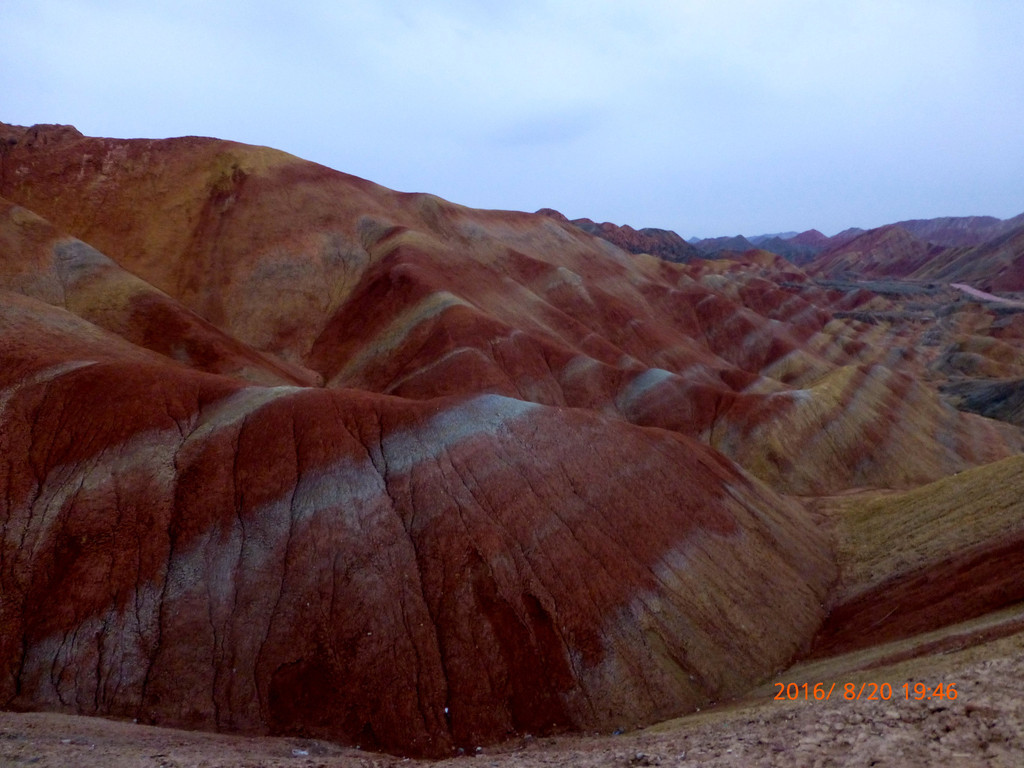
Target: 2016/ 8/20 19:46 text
[[866, 691]]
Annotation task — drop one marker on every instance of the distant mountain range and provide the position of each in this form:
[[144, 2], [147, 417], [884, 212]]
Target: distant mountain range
[[961, 230], [984, 251], [663, 243], [993, 263]]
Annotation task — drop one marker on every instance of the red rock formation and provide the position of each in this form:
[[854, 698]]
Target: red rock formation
[[812, 238], [290, 452], [889, 251], [799, 249], [960, 230], [402, 574], [715, 246], [995, 264], [663, 243], [37, 261]]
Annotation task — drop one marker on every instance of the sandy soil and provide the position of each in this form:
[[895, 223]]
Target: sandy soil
[[982, 726]]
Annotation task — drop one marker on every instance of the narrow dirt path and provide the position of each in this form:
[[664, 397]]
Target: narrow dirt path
[[974, 292]]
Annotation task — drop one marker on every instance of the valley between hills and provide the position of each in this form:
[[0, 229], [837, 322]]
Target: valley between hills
[[300, 470]]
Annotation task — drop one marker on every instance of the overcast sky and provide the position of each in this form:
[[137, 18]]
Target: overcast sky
[[710, 117]]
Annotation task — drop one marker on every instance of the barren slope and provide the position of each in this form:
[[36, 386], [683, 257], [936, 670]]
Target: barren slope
[[919, 560], [987, 255], [289, 452]]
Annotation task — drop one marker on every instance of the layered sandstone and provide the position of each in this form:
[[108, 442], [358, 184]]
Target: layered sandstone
[[290, 452]]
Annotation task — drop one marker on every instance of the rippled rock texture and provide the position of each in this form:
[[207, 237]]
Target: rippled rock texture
[[289, 452]]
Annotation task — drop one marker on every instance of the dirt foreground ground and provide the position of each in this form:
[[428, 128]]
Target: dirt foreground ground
[[982, 726]]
